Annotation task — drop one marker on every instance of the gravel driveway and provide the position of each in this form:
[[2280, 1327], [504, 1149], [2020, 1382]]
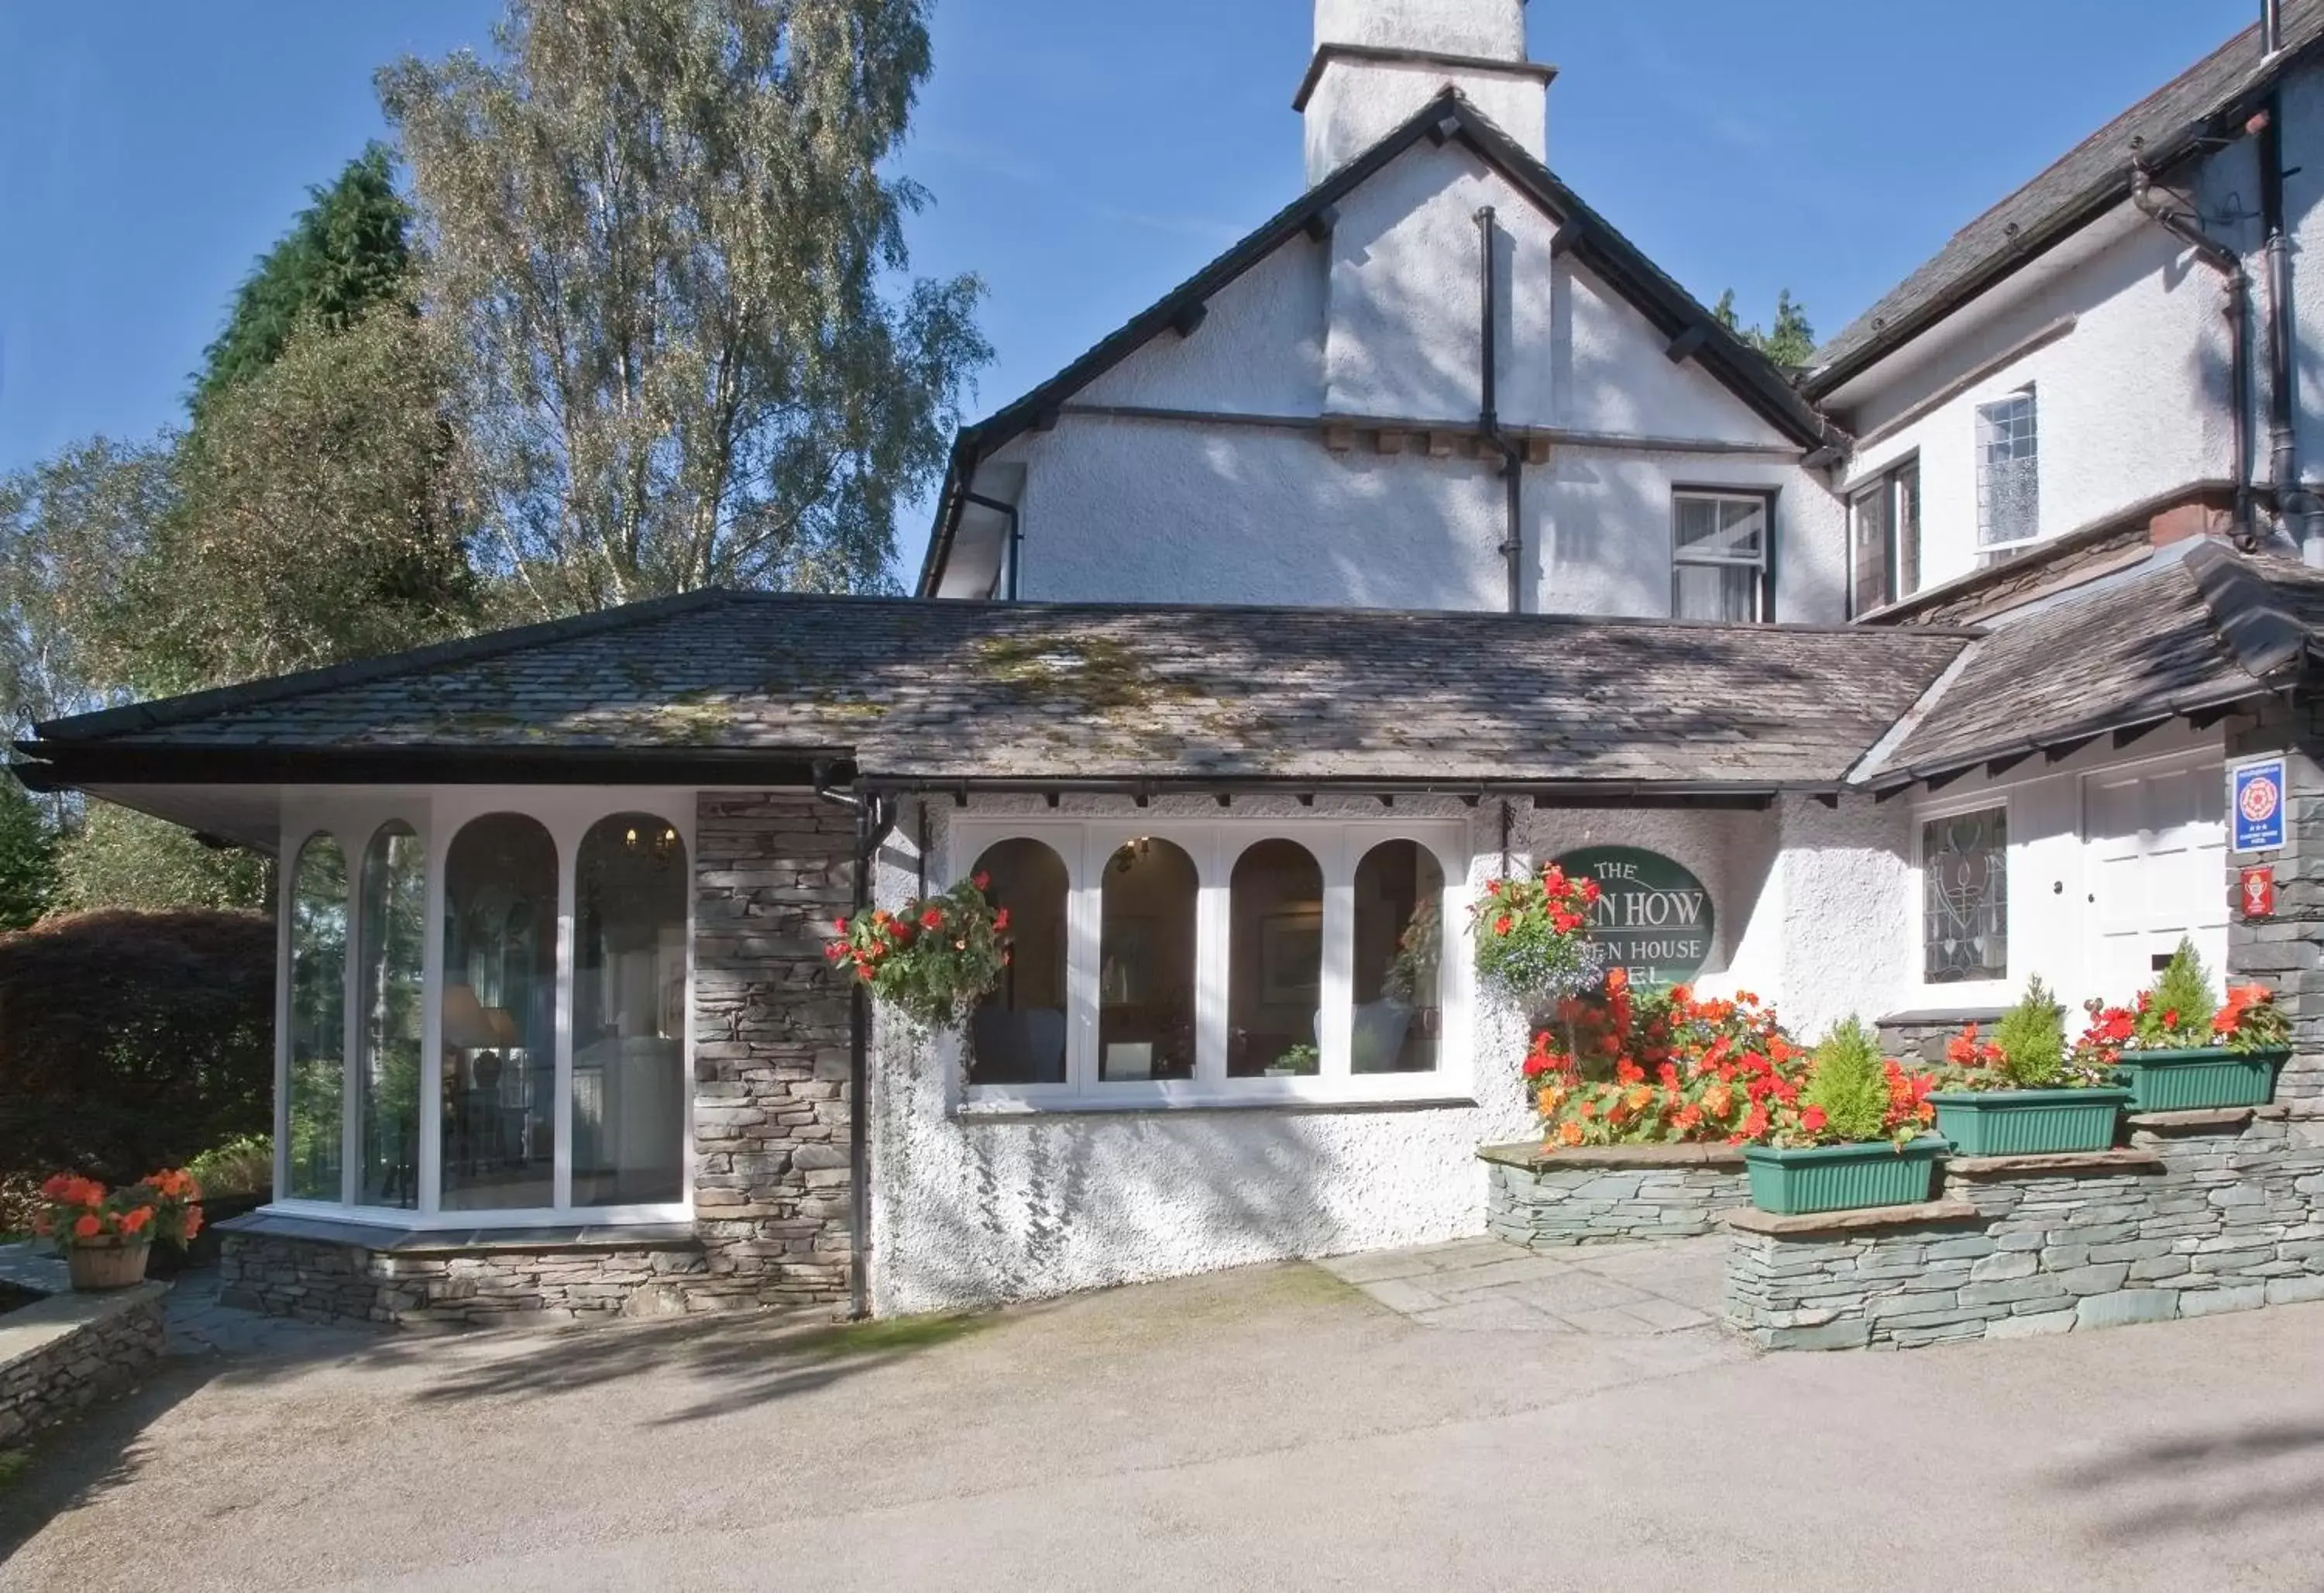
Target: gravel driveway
[[1270, 1428]]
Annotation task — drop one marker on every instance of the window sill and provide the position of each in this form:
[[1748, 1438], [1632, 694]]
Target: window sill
[[466, 1239], [1019, 1110]]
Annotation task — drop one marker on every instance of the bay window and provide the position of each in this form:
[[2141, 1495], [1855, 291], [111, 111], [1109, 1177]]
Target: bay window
[[1156, 962], [486, 1018]]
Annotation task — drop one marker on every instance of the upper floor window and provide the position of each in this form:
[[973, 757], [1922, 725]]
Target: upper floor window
[[1885, 539], [1720, 564], [2008, 485]]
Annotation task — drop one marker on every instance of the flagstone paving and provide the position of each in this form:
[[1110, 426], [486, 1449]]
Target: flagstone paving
[[1607, 1290]]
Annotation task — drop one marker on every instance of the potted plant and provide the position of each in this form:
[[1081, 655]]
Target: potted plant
[[933, 960], [2026, 1092], [1296, 1063], [1532, 935], [2177, 1051], [106, 1234], [1857, 1135]]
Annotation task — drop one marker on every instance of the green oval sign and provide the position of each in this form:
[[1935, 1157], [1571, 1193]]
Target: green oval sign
[[1653, 919]]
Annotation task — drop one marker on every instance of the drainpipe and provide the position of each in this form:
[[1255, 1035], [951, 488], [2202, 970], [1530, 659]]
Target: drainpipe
[[2299, 511], [2229, 264], [1016, 533], [2270, 28], [874, 817], [1489, 421]]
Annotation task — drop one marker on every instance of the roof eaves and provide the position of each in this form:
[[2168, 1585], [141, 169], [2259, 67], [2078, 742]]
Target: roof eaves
[[133, 718], [2265, 637], [2094, 200]]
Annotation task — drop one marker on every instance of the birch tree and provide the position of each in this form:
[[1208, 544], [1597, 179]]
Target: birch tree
[[663, 244]]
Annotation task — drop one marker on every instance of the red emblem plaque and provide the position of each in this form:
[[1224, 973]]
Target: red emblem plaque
[[2258, 892]]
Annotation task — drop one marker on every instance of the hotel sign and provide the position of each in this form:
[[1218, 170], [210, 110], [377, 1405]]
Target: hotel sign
[[1653, 919]]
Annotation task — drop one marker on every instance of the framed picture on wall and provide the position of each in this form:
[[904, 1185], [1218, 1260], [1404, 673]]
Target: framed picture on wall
[[1291, 956]]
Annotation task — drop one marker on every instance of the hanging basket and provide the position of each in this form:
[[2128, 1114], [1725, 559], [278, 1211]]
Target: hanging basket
[[108, 1263]]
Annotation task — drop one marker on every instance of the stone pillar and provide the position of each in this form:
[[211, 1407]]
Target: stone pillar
[[772, 870], [2286, 953]]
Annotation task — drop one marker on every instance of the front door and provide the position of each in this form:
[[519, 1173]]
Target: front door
[[2156, 837]]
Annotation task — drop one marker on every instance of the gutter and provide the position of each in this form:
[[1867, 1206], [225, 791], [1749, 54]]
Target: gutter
[[1489, 422]]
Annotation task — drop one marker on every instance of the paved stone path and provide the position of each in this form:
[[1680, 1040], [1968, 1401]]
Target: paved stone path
[[1609, 1291], [199, 1325]]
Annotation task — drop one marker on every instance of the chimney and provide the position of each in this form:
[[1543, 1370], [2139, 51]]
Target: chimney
[[1377, 61]]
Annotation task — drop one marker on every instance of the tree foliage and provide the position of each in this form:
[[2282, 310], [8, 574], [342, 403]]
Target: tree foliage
[[664, 244], [317, 515], [133, 1041], [114, 857], [1792, 342], [346, 253], [28, 858]]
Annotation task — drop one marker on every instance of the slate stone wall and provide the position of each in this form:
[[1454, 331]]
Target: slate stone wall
[[77, 1348], [1547, 1201], [2225, 1220], [319, 1280], [2286, 952], [772, 870]]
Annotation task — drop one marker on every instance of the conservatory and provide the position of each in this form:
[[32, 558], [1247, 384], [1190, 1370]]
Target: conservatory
[[484, 1007]]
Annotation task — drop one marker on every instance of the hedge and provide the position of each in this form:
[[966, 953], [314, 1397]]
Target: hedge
[[132, 1041]]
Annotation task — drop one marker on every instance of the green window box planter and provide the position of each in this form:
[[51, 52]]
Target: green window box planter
[[1840, 1178], [2190, 1080], [2029, 1122]]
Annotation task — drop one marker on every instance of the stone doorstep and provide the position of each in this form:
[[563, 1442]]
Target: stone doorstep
[[1751, 1220], [41, 1325], [2055, 1164], [1533, 1157]]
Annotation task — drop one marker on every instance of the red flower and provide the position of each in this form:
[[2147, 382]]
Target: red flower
[[1000, 920], [932, 919], [1812, 1118], [980, 880], [1503, 924]]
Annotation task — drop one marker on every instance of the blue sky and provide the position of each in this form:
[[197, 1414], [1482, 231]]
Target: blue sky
[[1083, 156]]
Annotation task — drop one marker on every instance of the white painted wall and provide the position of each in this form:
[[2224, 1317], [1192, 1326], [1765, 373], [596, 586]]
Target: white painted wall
[[970, 1207], [2054, 908], [2133, 403], [1381, 321], [2303, 201]]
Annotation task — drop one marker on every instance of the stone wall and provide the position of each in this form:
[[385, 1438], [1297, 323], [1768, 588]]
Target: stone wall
[[1605, 1194], [1921, 1036], [770, 1048], [60, 1354], [2205, 1213], [2286, 952], [419, 1285]]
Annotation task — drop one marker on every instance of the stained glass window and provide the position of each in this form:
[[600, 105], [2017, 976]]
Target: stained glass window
[[1965, 865]]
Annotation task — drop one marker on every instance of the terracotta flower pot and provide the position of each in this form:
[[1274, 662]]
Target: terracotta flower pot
[[106, 1264]]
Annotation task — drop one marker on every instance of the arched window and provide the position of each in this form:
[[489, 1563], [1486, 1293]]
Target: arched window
[[628, 1014], [394, 930], [499, 1016], [1399, 963], [316, 1049], [1146, 962], [1018, 1035], [1275, 968]]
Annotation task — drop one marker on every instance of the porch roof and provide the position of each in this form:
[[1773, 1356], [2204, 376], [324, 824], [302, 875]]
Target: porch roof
[[2187, 636], [751, 689]]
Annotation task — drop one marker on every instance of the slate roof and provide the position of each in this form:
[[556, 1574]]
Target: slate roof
[[1586, 233], [2094, 176], [921, 691], [2179, 636]]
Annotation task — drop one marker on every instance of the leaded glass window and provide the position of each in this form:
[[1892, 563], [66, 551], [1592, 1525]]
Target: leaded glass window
[[2008, 473], [1965, 865]]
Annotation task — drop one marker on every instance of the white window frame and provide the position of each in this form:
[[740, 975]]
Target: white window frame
[[352, 817], [1965, 993], [1763, 598], [2028, 396], [1338, 847]]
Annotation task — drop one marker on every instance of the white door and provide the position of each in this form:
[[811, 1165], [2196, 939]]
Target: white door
[[2157, 846]]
